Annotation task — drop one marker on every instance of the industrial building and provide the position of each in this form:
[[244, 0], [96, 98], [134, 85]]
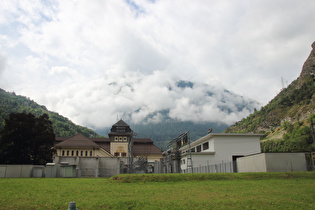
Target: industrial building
[[226, 152]]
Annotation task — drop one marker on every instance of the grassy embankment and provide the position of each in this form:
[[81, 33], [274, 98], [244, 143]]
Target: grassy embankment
[[294, 190]]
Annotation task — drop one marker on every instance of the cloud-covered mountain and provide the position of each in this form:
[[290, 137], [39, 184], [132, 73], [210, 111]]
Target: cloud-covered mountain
[[138, 99]]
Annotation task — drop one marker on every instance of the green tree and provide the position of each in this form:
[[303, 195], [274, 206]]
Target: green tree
[[27, 139]]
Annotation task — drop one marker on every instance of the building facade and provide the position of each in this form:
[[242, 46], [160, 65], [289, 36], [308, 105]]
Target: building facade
[[215, 152], [120, 144]]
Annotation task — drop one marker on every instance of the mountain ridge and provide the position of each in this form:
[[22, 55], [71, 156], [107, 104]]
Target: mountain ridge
[[63, 127], [289, 111]]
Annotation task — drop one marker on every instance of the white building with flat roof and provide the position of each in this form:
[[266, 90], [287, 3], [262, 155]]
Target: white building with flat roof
[[218, 148]]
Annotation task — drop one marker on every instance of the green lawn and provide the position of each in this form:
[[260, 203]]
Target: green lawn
[[233, 191]]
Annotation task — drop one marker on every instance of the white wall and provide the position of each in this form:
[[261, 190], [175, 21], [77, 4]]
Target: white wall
[[272, 162], [222, 148], [227, 146], [254, 163], [277, 162], [201, 159]]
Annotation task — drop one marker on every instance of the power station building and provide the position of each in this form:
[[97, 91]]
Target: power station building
[[120, 153]]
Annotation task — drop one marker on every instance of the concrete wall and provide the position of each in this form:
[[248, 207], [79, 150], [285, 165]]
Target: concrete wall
[[198, 159], [52, 171], [93, 167], [272, 162], [21, 171], [277, 162], [109, 167], [253, 163]]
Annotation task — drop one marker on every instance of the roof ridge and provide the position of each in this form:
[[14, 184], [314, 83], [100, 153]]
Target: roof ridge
[[84, 142]]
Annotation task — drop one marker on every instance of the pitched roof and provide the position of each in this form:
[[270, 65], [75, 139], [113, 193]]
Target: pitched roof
[[78, 141], [121, 123], [145, 149]]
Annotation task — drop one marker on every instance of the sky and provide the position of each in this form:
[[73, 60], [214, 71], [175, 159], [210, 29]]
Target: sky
[[94, 61]]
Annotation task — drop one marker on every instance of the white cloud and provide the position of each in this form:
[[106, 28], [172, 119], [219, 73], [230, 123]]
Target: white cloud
[[65, 54], [2, 63], [142, 98]]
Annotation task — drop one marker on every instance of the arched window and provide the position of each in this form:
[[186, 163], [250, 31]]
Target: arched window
[[91, 153], [67, 152], [81, 153], [72, 153], [77, 153], [86, 153], [63, 153]]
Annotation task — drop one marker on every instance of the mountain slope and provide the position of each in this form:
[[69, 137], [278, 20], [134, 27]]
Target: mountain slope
[[293, 107], [11, 103]]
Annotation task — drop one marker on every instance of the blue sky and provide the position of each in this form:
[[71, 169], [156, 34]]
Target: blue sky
[[64, 54]]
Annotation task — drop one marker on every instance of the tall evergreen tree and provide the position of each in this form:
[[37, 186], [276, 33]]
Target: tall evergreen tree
[[27, 139]]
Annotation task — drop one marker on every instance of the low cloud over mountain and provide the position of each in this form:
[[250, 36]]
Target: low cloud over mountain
[[148, 98]]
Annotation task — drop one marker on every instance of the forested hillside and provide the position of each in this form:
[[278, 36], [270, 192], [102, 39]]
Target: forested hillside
[[11, 103], [285, 120]]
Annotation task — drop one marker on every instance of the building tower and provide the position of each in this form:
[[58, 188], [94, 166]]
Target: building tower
[[120, 138]]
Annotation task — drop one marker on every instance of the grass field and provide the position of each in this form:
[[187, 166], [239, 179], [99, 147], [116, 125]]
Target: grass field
[[294, 190]]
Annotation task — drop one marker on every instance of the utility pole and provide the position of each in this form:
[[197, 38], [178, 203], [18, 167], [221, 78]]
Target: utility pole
[[130, 153], [313, 136]]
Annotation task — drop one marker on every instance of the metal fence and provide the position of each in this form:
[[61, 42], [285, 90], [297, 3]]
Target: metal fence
[[224, 167]]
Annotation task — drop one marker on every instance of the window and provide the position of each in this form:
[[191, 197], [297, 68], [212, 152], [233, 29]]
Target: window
[[116, 154], [125, 138], [193, 149], [72, 153], [120, 139], [67, 152], [81, 153], [205, 146], [77, 153], [198, 148], [63, 153], [86, 153], [123, 154], [116, 138], [91, 153]]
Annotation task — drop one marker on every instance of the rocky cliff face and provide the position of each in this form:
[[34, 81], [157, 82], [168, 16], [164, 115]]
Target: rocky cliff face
[[308, 67], [294, 103]]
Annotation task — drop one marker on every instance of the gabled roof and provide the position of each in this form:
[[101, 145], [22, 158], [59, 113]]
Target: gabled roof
[[78, 141], [121, 123], [145, 149]]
